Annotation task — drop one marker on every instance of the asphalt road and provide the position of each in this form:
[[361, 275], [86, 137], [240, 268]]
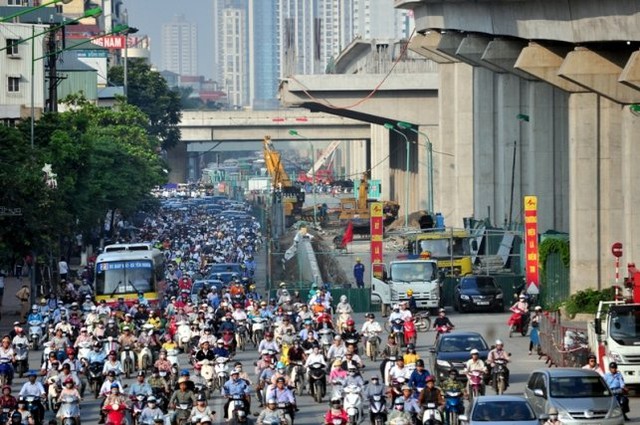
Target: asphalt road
[[491, 326]]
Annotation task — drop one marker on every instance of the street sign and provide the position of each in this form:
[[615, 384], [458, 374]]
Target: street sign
[[616, 249], [110, 41]]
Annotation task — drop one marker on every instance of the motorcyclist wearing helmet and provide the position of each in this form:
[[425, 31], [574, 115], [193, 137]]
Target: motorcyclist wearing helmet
[[34, 315], [314, 357], [351, 358], [235, 386], [268, 343], [336, 411], [343, 307], [431, 394], [396, 314], [157, 382], [397, 414], [150, 412], [475, 363], [271, 414], [283, 395], [553, 417], [350, 333], [498, 353], [411, 302], [163, 364], [442, 320], [418, 378], [353, 377], [337, 350], [370, 328], [220, 350], [7, 401], [374, 388]]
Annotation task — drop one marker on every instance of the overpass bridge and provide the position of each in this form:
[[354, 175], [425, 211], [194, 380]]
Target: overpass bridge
[[570, 69]]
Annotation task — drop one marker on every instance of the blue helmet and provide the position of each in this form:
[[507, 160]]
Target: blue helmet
[[280, 365], [184, 372]]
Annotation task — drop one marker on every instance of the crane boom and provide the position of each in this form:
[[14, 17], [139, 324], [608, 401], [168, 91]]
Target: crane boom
[[323, 158], [273, 162]]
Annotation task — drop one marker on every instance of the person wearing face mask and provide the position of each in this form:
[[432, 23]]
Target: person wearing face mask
[[150, 412], [353, 377], [553, 417]]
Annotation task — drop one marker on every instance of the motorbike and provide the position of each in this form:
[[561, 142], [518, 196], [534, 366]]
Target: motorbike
[[52, 394], [257, 330], [371, 347], [422, 321], [444, 329], [5, 414], [70, 411], [377, 409], [35, 333], [161, 397], [325, 335], [318, 381], [476, 384], [353, 403], [208, 373], [137, 405], [22, 359], [237, 409], [183, 411], [221, 371], [145, 357], [242, 335], [116, 414], [297, 376], [84, 348], [431, 415], [95, 377], [342, 321], [410, 332], [229, 339], [6, 371], [518, 322], [183, 336], [287, 409], [500, 372], [35, 407], [397, 330], [453, 406], [172, 356], [128, 360]]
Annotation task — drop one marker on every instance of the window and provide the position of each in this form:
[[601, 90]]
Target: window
[[13, 85], [12, 46], [15, 2]]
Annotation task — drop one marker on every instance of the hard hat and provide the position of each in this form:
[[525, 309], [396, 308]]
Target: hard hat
[[358, 260], [409, 292]]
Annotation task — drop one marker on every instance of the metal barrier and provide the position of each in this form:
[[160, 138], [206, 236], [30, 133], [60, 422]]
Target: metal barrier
[[562, 346]]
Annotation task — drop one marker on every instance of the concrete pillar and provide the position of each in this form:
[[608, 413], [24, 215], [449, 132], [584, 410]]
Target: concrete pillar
[[630, 171], [453, 152], [423, 174], [544, 62], [380, 159], [177, 161], [484, 165], [584, 180], [357, 159]]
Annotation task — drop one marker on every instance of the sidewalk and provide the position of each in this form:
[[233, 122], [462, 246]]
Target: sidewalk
[[10, 309]]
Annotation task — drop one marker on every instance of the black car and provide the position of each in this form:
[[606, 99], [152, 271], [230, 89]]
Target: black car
[[478, 293], [452, 352]]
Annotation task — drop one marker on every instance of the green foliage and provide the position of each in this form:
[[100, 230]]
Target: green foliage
[[587, 301], [550, 245], [104, 160], [148, 90]]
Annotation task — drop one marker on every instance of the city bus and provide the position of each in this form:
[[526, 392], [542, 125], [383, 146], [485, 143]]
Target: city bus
[[124, 270]]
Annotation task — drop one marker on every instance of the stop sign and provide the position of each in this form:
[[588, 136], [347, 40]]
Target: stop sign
[[616, 249]]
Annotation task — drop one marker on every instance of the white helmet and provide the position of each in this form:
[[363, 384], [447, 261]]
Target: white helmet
[[499, 342], [474, 351], [343, 298]]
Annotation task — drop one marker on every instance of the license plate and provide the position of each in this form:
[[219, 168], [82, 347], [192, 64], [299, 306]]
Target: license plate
[[482, 302]]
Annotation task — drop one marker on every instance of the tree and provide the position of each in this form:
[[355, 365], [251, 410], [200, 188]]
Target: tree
[[148, 90], [104, 160]]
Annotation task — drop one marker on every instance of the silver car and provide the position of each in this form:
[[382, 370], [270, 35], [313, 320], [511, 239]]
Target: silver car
[[581, 396], [503, 409]]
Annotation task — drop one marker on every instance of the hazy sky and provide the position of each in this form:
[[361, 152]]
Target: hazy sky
[[149, 15]]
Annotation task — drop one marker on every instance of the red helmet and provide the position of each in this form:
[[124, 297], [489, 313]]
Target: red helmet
[[350, 322], [197, 366], [70, 350], [268, 334]]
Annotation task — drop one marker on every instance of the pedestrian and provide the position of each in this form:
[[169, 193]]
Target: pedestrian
[[24, 295], [63, 269], [534, 337], [358, 273]]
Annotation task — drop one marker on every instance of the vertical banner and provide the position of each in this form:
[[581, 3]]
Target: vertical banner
[[531, 243], [375, 214]]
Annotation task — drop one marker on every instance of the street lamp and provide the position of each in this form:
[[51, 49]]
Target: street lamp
[[31, 9], [313, 172], [391, 127], [406, 126]]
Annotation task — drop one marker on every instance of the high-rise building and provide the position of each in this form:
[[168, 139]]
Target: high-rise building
[[180, 47], [264, 47], [379, 19]]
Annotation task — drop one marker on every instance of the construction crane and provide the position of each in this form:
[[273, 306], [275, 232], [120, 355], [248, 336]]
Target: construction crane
[[326, 160], [283, 188]]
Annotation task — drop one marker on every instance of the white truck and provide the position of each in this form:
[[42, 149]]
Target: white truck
[[614, 336], [389, 284]]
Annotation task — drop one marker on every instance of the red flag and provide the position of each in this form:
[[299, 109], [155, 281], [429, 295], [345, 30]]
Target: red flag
[[348, 234]]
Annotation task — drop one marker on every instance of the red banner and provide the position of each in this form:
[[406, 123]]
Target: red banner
[[531, 244], [377, 232]]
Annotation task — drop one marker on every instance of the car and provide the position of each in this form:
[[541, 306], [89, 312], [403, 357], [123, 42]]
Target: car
[[478, 293], [199, 284], [452, 351], [503, 409], [581, 396]]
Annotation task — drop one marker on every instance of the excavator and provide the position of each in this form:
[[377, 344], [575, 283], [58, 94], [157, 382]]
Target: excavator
[[357, 210], [290, 195]]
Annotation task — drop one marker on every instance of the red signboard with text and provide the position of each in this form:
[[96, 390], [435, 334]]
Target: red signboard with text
[[377, 231], [110, 41], [531, 244]]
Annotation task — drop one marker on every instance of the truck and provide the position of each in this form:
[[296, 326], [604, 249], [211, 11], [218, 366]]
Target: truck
[[389, 284], [614, 336], [451, 248]]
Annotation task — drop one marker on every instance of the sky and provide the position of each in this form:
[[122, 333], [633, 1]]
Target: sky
[[149, 15]]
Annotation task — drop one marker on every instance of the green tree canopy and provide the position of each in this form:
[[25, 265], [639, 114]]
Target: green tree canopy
[[104, 160], [148, 90]]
